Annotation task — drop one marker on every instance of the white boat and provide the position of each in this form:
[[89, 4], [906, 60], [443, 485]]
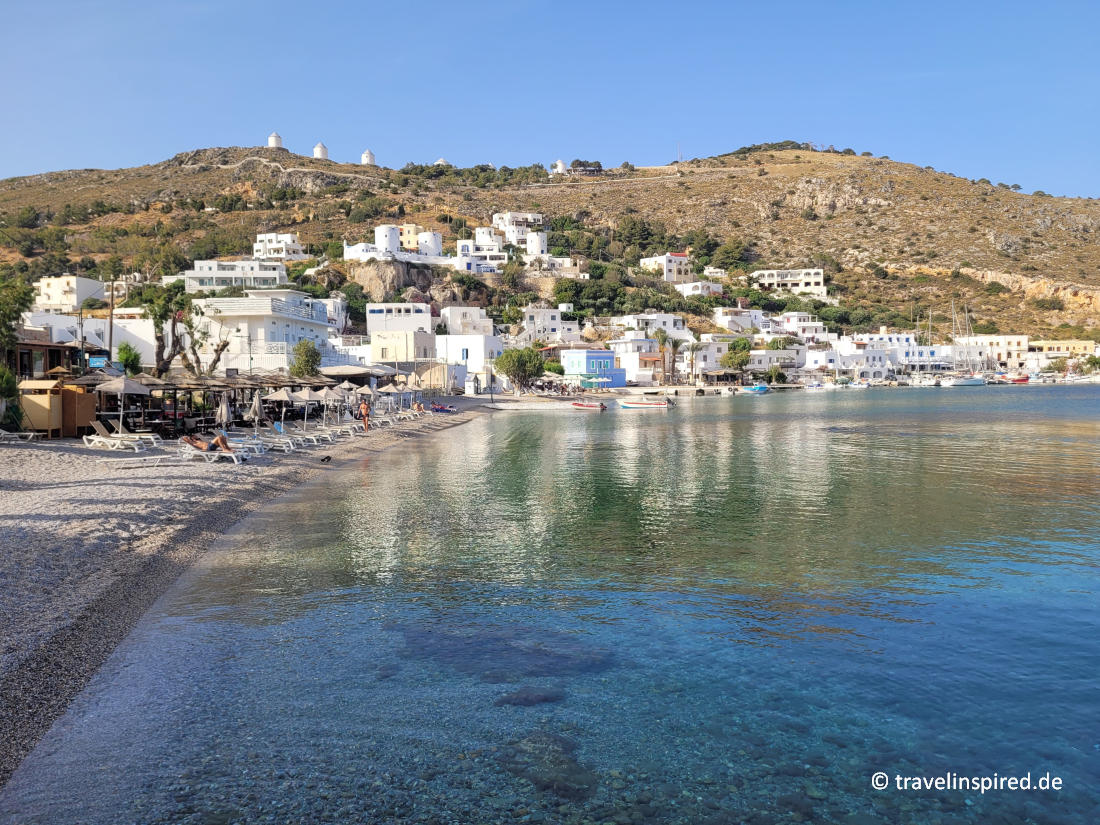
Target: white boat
[[644, 403], [966, 371], [964, 381]]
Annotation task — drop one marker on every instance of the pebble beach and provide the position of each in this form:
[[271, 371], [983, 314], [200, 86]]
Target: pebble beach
[[86, 546]]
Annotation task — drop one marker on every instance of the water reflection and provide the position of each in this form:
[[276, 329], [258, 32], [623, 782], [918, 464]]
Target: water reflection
[[737, 609]]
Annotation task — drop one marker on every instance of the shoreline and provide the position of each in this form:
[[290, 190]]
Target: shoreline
[[85, 556]]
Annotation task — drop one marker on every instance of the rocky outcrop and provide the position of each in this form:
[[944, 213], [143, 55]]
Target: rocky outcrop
[[383, 279], [1078, 298]]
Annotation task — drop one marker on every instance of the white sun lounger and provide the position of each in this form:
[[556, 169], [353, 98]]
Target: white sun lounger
[[187, 451], [6, 436]]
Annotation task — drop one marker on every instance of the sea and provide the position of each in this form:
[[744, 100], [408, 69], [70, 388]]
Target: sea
[[851, 607]]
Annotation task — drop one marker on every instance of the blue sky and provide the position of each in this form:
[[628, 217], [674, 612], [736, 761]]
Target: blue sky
[[1008, 91]]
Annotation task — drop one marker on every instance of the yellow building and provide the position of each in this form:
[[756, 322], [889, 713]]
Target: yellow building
[[409, 231], [1067, 349]]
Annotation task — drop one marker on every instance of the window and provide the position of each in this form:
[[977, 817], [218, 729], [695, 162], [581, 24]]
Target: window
[[385, 353], [465, 354]]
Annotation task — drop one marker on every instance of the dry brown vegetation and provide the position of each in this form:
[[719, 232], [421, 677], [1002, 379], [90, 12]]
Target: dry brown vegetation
[[929, 235]]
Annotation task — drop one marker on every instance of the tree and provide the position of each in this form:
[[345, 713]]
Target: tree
[[130, 358], [735, 359], [305, 359], [673, 346], [558, 369], [10, 414], [782, 342], [166, 307], [26, 218], [774, 375], [16, 297], [693, 351], [520, 365]]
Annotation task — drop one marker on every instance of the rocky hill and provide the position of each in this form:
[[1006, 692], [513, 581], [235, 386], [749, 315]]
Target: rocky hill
[[892, 235]]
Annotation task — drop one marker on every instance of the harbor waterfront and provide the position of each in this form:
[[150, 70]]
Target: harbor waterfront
[[731, 610]]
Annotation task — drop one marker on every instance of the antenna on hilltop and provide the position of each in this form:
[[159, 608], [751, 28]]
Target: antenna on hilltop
[[679, 154]]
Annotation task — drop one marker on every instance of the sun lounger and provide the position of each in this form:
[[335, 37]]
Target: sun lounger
[[152, 439], [297, 435], [6, 436], [112, 443], [269, 438], [316, 433], [137, 460], [244, 442], [187, 451]]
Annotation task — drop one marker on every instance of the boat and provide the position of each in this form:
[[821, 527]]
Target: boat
[[589, 405], [645, 403], [759, 388], [964, 381], [966, 373], [1019, 379]]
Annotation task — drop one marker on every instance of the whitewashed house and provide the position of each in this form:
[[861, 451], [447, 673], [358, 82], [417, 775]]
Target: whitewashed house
[[65, 293], [263, 328], [517, 225], [402, 347], [672, 267], [650, 322], [474, 352], [809, 282], [399, 316], [545, 324], [736, 319], [278, 246], [638, 355], [702, 289], [460, 320], [209, 276]]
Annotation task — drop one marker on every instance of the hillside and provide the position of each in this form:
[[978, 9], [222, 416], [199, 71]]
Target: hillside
[[894, 236]]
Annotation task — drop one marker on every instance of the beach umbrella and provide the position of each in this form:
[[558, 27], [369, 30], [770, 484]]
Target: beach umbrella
[[346, 386], [304, 396], [122, 386], [367, 390], [255, 412], [222, 416], [284, 395]]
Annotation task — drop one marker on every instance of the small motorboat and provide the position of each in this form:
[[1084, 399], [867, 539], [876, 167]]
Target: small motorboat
[[1019, 379], [759, 388], [645, 403], [589, 405]]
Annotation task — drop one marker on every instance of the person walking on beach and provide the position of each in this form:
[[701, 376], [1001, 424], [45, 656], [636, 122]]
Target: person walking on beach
[[364, 414]]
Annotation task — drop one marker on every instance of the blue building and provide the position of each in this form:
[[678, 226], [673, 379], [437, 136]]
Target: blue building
[[593, 367]]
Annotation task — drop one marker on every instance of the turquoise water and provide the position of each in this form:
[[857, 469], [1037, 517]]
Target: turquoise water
[[735, 611]]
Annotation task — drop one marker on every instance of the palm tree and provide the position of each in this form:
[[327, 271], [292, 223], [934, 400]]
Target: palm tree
[[673, 346], [662, 340], [693, 349]]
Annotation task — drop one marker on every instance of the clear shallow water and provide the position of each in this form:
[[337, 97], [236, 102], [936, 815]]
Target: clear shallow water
[[737, 610]]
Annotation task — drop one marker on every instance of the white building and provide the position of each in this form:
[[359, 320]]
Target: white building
[[263, 327], [402, 346], [215, 275], [486, 247], [66, 293], [1006, 350], [278, 246], [545, 324], [672, 267], [461, 320], [849, 359], [274, 141], [367, 158], [801, 325], [650, 322], [714, 272], [516, 225], [472, 351], [130, 327], [638, 355], [320, 151], [736, 319], [699, 289], [399, 317], [794, 281], [558, 167]]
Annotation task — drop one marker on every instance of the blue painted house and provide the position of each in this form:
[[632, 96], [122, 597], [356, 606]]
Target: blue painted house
[[587, 365]]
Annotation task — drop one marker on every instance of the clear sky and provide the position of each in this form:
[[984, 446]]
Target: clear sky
[[1009, 91]]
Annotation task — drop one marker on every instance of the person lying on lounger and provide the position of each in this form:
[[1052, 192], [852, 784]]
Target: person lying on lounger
[[217, 443]]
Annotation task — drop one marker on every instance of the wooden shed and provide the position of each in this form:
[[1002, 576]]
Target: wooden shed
[[41, 402]]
